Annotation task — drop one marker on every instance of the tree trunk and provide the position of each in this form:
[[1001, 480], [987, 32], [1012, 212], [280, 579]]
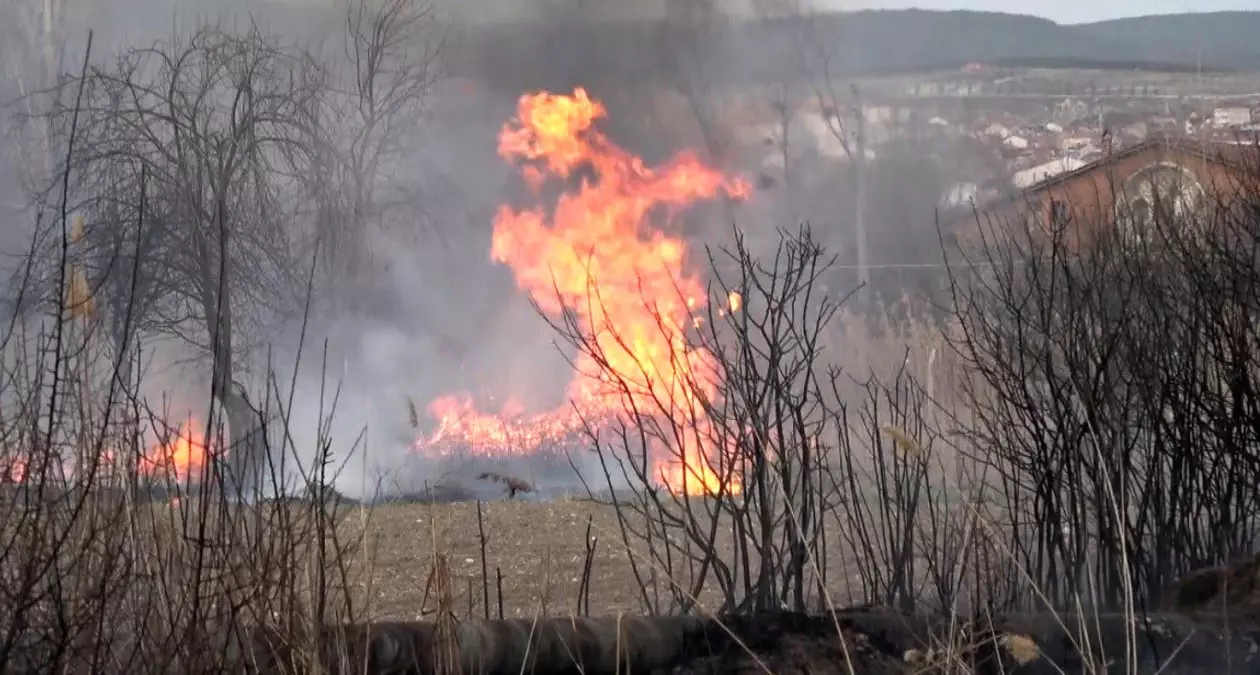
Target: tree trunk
[[246, 452], [247, 461]]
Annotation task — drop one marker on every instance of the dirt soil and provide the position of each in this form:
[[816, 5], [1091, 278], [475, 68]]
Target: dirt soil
[[537, 546]]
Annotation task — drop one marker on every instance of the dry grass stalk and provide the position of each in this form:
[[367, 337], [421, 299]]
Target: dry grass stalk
[[902, 441], [973, 647], [446, 650], [79, 300], [412, 417], [1021, 648], [447, 659], [545, 600]]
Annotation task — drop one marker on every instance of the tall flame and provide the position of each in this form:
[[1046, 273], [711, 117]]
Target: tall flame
[[597, 254]]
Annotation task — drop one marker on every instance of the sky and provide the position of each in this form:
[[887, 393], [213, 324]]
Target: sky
[[1062, 11]]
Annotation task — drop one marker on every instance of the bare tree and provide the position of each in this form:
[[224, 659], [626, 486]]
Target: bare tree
[[374, 121], [372, 116], [32, 45], [220, 166], [845, 115], [813, 123], [694, 37], [190, 153]]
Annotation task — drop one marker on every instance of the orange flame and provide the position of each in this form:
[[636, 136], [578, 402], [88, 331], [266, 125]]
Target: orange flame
[[597, 254], [510, 433], [17, 469], [182, 456]]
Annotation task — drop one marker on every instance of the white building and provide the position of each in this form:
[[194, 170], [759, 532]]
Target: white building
[[1036, 174], [1234, 116], [824, 135], [1075, 142], [998, 130], [1017, 142], [960, 194]]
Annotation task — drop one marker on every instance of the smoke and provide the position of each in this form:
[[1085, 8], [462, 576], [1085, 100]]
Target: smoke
[[448, 319], [439, 317], [490, 12]]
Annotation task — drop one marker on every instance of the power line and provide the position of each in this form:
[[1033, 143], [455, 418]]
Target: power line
[[987, 264], [891, 266]]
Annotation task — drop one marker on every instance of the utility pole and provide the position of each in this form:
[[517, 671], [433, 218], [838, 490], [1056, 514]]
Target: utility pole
[[859, 146]]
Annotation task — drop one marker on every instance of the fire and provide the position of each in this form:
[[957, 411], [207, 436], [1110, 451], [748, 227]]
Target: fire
[[511, 432], [182, 456], [599, 253]]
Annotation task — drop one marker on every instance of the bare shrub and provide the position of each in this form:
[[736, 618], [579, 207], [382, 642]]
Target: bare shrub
[[128, 543], [1111, 377], [113, 561], [748, 477]]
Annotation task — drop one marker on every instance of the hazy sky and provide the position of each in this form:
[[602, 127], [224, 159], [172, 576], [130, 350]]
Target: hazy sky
[[1063, 11]]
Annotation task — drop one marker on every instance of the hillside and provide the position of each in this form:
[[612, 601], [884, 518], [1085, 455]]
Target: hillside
[[561, 49], [874, 41], [899, 40], [1225, 39]]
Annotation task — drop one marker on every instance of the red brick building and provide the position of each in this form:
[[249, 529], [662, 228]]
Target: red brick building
[[1183, 174]]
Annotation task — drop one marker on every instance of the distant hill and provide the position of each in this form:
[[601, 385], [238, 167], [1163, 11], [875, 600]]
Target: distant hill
[[866, 42], [901, 40], [1224, 39]]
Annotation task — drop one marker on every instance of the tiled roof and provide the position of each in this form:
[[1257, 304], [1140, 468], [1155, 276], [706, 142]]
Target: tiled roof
[[1243, 154], [1238, 155]]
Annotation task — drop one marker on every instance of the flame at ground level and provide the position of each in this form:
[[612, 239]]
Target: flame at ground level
[[463, 430], [181, 456], [599, 252], [512, 432]]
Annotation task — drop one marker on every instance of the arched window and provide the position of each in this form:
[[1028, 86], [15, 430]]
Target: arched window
[[1162, 193]]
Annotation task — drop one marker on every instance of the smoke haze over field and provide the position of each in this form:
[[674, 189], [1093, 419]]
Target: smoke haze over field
[[439, 318], [435, 316]]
